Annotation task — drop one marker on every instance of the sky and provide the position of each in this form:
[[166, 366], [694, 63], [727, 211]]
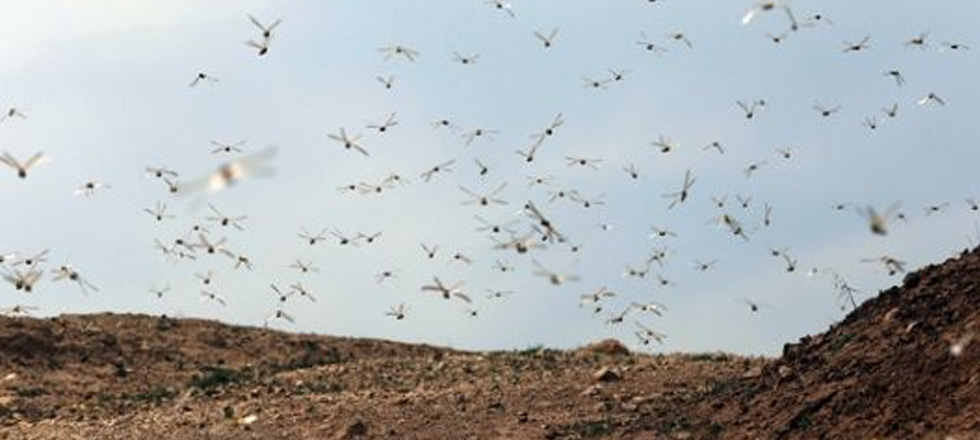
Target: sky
[[105, 89]]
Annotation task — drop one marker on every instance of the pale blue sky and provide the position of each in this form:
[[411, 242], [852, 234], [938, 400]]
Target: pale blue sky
[[104, 85]]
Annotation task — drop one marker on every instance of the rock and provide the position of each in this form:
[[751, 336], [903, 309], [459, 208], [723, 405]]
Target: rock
[[592, 390], [752, 373], [522, 417], [606, 374], [784, 371]]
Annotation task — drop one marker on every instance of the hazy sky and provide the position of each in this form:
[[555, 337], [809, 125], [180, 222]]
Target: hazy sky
[[104, 85]]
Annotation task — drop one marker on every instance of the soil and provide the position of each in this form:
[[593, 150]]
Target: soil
[[901, 366]]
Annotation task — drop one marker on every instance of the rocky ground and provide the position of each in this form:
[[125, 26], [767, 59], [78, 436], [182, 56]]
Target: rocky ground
[[902, 366]]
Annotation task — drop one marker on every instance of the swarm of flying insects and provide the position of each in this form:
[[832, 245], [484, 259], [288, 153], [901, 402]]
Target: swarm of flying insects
[[560, 151]]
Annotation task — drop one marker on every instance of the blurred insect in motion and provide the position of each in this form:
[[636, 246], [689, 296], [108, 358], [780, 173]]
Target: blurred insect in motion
[[212, 296], [482, 168], [89, 188], [447, 292], [754, 306], [32, 260], [549, 131], [681, 196], [23, 281], [385, 275], [952, 45], [430, 251], [778, 38], [681, 37], [484, 199], [399, 51], [649, 45], [590, 83], [384, 126], [752, 168], [202, 77], [387, 81], [502, 6], [499, 294], [893, 265], [816, 19], [479, 133], [935, 209], [299, 289], [547, 40], [66, 272], [18, 311], [845, 292], [878, 222], [826, 112], [159, 172], [897, 76], [932, 98], [650, 307], [734, 226], [159, 213], [859, 46], [439, 168], [647, 335], [231, 173], [279, 314], [704, 266], [583, 162], [12, 112], [555, 278], [262, 46], [715, 145], [22, 168], [750, 109], [919, 41], [313, 239], [398, 312], [632, 170], [343, 239], [224, 220], [465, 60], [550, 231], [870, 122], [892, 111], [266, 30], [767, 6], [220, 148], [496, 228], [213, 247]]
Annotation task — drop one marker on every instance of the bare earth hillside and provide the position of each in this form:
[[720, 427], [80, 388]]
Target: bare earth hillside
[[901, 366]]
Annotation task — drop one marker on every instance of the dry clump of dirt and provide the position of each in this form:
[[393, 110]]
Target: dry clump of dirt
[[903, 365]]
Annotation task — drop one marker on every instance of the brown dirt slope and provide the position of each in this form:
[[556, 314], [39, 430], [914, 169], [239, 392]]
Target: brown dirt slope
[[128, 376], [901, 366]]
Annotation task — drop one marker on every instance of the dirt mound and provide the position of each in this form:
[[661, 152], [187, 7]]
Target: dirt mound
[[901, 366]]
